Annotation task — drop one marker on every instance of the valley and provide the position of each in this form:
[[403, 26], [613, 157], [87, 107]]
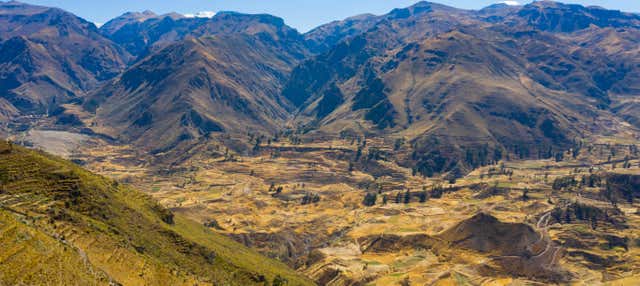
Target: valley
[[320, 223], [430, 145]]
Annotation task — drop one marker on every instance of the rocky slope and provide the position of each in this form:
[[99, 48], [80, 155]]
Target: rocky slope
[[199, 86], [466, 87], [49, 56], [141, 38]]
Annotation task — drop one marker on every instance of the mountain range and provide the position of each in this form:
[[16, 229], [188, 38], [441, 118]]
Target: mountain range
[[462, 87], [429, 145], [50, 56]]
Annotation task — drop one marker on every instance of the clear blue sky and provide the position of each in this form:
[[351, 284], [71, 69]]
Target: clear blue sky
[[300, 14]]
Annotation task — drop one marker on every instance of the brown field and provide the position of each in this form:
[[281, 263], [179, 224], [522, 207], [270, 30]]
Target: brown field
[[336, 240]]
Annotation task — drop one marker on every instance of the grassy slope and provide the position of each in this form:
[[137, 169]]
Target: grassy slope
[[91, 230]]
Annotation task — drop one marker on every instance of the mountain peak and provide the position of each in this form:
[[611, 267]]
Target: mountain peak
[[145, 13], [560, 17], [421, 8], [500, 6], [127, 18], [15, 7], [548, 4], [263, 18]]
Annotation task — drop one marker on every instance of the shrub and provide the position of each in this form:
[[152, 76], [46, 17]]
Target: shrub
[[370, 199]]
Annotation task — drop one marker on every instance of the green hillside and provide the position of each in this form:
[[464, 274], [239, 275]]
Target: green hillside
[[62, 225]]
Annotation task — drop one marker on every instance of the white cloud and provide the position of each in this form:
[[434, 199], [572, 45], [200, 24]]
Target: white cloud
[[98, 24], [202, 14], [511, 3]]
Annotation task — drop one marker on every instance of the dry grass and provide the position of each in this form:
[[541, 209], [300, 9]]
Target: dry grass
[[118, 234], [235, 194]]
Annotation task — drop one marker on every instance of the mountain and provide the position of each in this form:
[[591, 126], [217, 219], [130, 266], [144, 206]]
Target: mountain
[[49, 56], [198, 86], [141, 38], [60, 224], [558, 17], [465, 89], [188, 87], [428, 73], [343, 152], [612, 57], [324, 37], [412, 20], [125, 19]]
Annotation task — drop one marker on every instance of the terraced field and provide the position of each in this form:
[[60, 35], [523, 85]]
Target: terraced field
[[62, 225], [403, 236]]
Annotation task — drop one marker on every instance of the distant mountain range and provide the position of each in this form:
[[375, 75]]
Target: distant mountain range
[[462, 87]]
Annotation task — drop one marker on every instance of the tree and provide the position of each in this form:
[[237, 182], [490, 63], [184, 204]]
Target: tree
[[399, 198], [556, 214], [310, 198], [525, 194], [579, 212], [594, 221], [567, 216], [437, 192], [277, 191], [358, 154], [279, 281], [370, 199], [610, 195], [497, 154], [398, 144], [423, 196], [564, 182], [575, 152], [407, 197], [256, 147], [559, 157]]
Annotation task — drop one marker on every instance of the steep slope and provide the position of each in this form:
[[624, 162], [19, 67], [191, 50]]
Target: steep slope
[[466, 89], [325, 37], [143, 38], [49, 56], [60, 224], [349, 57], [188, 90], [613, 57]]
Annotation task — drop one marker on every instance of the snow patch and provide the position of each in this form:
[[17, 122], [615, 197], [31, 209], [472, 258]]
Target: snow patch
[[201, 14], [511, 3]]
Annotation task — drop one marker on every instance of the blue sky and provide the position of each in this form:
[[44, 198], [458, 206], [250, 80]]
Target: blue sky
[[300, 14]]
